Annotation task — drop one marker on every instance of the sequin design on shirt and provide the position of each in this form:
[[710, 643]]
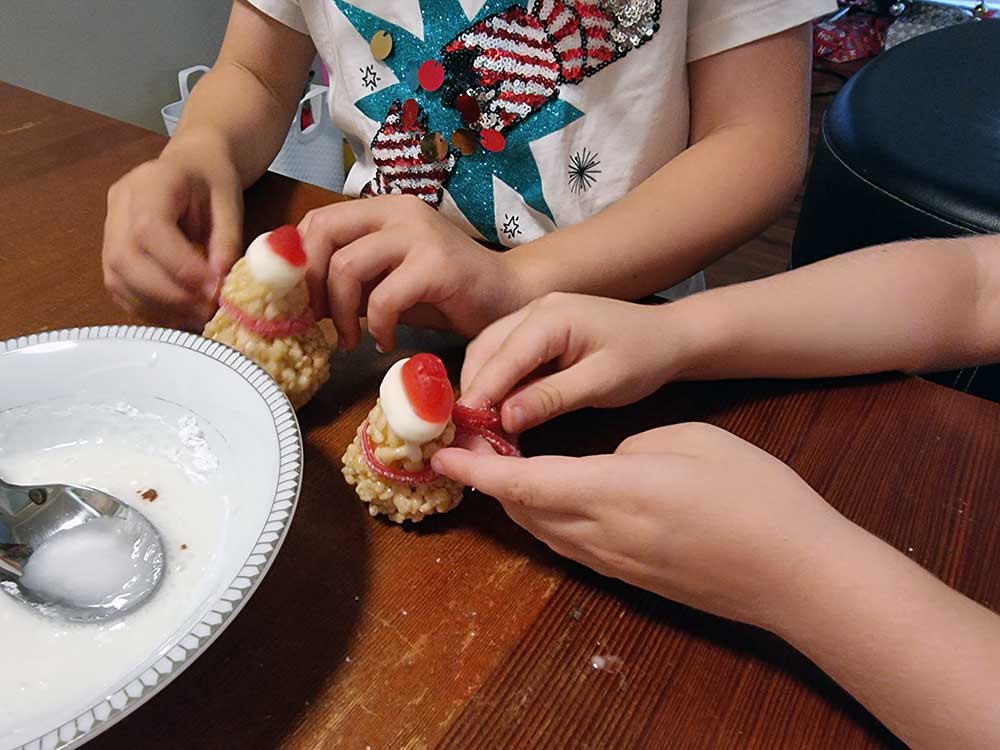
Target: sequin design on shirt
[[401, 164], [507, 64], [504, 67]]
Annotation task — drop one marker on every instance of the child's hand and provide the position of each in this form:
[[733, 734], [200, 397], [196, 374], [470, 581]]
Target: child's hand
[[607, 353], [688, 511], [410, 263], [156, 214]]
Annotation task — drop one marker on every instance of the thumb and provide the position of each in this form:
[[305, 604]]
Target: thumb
[[474, 444], [225, 242], [558, 484]]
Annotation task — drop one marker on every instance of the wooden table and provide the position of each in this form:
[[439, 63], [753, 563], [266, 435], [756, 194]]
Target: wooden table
[[464, 632]]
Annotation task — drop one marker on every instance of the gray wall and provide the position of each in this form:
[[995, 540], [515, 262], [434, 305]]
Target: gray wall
[[115, 56]]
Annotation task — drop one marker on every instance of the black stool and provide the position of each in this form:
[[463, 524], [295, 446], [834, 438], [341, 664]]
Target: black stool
[[910, 148]]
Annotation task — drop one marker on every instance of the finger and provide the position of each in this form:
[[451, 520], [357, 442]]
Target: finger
[[533, 342], [317, 268], [538, 340], [410, 284], [165, 244], [226, 238], [123, 300], [482, 348], [553, 483], [350, 268], [154, 289], [327, 229], [474, 444], [150, 313], [550, 396]]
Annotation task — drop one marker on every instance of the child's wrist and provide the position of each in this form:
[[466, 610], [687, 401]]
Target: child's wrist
[[816, 593], [695, 337], [528, 280], [198, 148]]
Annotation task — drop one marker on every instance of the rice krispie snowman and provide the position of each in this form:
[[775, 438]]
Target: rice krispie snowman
[[389, 460], [264, 312]]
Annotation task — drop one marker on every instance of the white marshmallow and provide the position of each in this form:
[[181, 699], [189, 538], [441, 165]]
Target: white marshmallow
[[270, 269], [398, 411]]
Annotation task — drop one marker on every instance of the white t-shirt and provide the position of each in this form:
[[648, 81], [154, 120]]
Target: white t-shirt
[[584, 99]]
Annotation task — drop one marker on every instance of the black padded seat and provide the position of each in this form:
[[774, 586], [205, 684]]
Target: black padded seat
[[910, 148]]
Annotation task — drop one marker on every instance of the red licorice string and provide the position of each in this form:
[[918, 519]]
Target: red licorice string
[[425, 476], [269, 329], [484, 423]]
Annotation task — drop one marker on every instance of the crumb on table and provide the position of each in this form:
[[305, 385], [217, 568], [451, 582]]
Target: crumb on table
[[149, 494]]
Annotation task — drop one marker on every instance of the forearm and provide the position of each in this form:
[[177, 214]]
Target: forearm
[[671, 225], [915, 306], [749, 114], [216, 118], [921, 657], [242, 109]]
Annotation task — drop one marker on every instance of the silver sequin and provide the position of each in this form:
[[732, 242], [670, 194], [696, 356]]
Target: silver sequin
[[636, 21]]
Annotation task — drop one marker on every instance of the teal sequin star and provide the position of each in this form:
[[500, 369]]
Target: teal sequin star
[[471, 183]]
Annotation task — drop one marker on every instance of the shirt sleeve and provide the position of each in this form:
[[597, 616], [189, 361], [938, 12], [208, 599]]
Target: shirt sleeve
[[718, 25], [287, 12]]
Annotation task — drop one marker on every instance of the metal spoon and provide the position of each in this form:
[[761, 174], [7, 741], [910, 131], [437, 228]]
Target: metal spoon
[[31, 516]]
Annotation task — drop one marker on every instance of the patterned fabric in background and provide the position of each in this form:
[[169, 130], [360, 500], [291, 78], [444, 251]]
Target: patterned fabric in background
[[921, 19], [863, 28], [852, 37]]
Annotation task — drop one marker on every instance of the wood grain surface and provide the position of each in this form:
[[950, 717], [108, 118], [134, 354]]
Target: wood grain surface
[[464, 632]]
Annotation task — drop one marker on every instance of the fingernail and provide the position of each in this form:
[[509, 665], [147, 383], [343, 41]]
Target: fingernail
[[515, 417], [439, 463], [378, 348]]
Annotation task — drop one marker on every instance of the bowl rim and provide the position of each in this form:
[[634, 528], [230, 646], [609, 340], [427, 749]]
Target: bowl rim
[[187, 647]]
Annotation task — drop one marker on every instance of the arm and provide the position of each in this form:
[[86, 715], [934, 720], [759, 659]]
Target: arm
[[911, 306], [192, 195], [920, 656], [242, 107], [749, 123]]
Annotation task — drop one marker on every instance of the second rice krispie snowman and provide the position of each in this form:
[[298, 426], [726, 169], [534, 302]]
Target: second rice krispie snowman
[[389, 460], [264, 312]]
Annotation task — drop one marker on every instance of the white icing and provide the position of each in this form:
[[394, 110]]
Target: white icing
[[60, 665], [399, 412], [271, 269], [107, 562]]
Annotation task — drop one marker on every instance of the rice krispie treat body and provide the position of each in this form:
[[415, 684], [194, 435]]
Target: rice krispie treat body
[[264, 313], [401, 499]]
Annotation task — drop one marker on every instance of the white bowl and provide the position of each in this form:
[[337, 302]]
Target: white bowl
[[249, 426]]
